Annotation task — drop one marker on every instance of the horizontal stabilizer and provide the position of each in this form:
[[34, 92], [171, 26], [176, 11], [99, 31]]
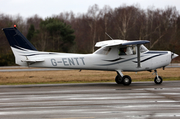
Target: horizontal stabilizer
[[32, 60]]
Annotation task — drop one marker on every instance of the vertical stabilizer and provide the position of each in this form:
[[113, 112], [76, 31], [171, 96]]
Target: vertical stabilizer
[[17, 40], [19, 44]]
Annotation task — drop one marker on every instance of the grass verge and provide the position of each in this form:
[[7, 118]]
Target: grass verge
[[85, 76]]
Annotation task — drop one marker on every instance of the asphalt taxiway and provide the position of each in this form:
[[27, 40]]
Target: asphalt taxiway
[[140, 100]]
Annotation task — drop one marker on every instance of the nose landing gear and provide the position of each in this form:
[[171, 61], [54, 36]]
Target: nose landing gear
[[157, 79]]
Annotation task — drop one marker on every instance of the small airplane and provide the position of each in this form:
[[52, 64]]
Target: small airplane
[[113, 55]]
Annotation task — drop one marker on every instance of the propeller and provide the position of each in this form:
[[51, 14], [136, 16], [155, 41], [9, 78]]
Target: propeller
[[173, 55]]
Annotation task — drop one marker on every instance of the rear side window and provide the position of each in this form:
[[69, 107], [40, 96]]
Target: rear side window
[[104, 51]]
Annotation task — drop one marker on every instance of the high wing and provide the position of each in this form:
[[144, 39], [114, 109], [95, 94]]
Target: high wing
[[124, 43], [120, 42]]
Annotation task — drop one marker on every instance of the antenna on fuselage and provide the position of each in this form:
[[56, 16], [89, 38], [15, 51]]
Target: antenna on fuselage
[[108, 36]]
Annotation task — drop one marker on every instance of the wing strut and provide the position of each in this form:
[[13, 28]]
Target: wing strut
[[138, 56]]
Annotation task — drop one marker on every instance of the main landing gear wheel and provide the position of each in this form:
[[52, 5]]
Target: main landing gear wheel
[[126, 80], [118, 79], [158, 80]]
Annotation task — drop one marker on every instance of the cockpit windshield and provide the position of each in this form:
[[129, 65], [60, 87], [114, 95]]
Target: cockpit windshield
[[143, 49]]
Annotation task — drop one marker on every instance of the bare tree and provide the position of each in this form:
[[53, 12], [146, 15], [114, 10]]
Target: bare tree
[[125, 19], [105, 14], [92, 14]]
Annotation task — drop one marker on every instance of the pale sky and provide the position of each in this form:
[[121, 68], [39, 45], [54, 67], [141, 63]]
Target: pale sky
[[47, 8]]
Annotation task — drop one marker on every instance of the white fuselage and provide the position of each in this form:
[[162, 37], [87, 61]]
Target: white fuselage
[[100, 60]]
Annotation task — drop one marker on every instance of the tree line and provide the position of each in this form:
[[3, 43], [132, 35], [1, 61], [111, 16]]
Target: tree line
[[78, 33]]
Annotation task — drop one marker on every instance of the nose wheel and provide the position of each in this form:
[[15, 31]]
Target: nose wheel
[[157, 79]]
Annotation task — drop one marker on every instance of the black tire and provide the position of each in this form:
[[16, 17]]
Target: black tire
[[126, 80], [118, 79], [158, 81]]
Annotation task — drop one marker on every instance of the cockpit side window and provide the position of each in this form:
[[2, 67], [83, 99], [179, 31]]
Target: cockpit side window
[[104, 51], [122, 51], [129, 50]]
